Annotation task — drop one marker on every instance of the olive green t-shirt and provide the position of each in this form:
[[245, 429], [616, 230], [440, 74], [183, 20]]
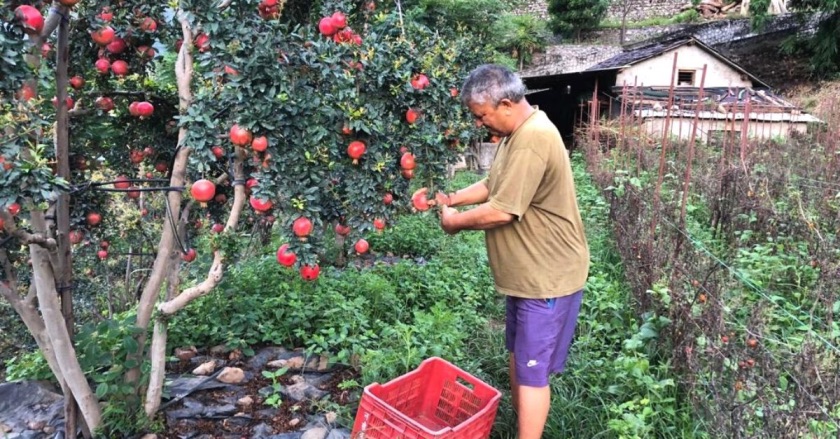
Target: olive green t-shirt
[[543, 252]]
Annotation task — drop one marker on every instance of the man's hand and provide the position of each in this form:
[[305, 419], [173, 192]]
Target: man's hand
[[441, 199], [447, 215]]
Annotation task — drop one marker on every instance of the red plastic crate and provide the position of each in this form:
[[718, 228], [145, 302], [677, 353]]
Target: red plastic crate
[[435, 401]]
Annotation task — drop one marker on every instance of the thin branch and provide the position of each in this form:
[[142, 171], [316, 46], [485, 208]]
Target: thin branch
[[214, 276]]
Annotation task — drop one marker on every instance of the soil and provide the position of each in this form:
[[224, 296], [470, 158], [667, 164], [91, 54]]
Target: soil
[[280, 419]]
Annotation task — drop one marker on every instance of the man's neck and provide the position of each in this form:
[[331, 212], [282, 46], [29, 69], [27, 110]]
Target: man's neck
[[523, 111]]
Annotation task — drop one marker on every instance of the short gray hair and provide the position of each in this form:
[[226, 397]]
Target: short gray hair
[[490, 83]]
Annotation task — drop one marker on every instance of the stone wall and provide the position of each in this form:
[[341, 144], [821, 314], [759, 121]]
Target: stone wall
[[569, 58], [637, 9], [534, 7]]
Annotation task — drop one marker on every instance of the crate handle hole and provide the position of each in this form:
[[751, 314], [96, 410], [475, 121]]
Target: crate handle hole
[[465, 383]]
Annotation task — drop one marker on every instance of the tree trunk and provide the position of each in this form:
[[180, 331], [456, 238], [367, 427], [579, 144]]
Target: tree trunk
[[59, 338], [64, 267]]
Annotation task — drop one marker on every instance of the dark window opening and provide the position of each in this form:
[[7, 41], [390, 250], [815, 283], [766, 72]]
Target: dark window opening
[[685, 77]]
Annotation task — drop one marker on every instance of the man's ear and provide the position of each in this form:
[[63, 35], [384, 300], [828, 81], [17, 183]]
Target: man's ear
[[506, 103]]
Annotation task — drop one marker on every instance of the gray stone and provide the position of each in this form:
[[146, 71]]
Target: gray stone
[[301, 391]]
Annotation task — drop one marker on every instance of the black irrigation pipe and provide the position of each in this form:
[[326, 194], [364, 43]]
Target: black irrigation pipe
[[144, 189]]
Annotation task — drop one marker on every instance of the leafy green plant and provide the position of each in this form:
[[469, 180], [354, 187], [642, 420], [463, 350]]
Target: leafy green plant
[[274, 398]]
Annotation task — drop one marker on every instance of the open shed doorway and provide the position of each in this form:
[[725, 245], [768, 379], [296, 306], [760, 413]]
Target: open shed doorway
[[561, 108], [565, 98]]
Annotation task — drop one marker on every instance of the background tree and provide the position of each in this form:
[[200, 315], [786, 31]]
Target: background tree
[[521, 36], [823, 45], [570, 17], [242, 106]]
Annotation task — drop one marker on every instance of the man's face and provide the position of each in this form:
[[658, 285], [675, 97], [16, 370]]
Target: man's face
[[493, 117]]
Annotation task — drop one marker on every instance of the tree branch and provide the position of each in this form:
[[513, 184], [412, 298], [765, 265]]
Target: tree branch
[[24, 236], [8, 269], [214, 276], [54, 19]]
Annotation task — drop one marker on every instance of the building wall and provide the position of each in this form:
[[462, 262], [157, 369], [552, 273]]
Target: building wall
[[681, 129], [657, 70]]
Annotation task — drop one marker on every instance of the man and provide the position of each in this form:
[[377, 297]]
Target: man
[[535, 239]]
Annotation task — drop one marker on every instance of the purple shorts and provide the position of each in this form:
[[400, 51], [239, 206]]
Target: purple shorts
[[539, 332]]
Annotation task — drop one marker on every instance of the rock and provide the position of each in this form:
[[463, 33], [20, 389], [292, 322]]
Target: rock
[[294, 422], [275, 364], [235, 355], [36, 425], [301, 391], [330, 417], [323, 363], [245, 402], [315, 433], [186, 354], [231, 375], [151, 435], [205, 369], [297, 379], [264, 355], [294, 363], [49, 429], [4, 428]]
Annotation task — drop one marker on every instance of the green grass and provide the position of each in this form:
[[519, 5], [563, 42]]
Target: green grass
[[690, 16]]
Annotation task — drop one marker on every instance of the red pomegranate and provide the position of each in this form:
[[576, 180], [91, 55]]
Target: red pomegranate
[[419, 81], [122, 182], [93, 219], [259, 144], [103, 36], [411, 115], [407, 161], [379, 224], [203, 191], [240, 136], [260, 205], [342, 229], [119, 67], [286, 257], [189, 256], [310, 272], [355, 151], [361, 246], [30, 19], [302, 227], [388, 198]]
